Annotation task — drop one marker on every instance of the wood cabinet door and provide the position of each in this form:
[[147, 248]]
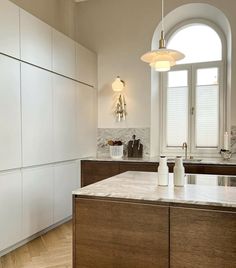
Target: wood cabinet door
[[149, 167], [37, 117], [94, 171], [36, 40], [9, 28], [65, 181], [202, 238], [120, 234]]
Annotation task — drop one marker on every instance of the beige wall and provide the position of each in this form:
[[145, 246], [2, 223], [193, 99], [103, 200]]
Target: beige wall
[[120, 31], [60, 14]]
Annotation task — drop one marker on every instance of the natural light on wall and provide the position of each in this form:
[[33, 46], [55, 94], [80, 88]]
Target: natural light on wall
[[199, 43]]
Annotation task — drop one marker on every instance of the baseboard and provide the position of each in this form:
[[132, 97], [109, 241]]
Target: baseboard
[[25, 241]]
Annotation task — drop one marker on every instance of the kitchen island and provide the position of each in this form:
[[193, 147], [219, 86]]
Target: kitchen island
[[129, 221]]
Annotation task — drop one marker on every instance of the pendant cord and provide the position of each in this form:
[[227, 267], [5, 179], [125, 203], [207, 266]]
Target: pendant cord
[[162, 15]]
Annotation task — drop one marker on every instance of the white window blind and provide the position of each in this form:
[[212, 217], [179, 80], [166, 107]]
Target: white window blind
[[207, 108], [177, 108]]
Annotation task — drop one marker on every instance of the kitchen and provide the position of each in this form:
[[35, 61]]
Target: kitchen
[[59, 59]]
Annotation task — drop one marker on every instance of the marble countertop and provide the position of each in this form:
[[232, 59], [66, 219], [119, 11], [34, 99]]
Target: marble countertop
[[210, 190], [210, 161]]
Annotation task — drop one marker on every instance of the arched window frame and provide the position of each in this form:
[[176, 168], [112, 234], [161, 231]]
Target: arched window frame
[[191, 68]]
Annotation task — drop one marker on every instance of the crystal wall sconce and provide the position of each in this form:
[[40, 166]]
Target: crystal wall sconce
[[120, 108]]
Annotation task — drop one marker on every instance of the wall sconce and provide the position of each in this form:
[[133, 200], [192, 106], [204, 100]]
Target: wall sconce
[[120, 110]]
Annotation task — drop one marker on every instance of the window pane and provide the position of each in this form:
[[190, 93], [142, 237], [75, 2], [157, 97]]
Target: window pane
[[177, 79], [199, 43], [177, 109], [207, 109]]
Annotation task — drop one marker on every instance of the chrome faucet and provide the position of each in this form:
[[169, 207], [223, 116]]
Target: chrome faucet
[[185, 148]]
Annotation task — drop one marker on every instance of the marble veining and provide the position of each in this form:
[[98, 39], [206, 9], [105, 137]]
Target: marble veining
[[143, 186], [123, 134]]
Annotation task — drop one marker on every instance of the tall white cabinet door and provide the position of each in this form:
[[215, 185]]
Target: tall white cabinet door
[[37, 199], [10, 208], [36, 40], [65, 181], [86, 120], [64, 118], [9, 28], [10, 113], [86, 65], [63, 54], [37, 115]]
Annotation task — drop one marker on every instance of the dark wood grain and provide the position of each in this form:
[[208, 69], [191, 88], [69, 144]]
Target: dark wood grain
[[120, 235], [94, 171], [132, 166], [202, 238]]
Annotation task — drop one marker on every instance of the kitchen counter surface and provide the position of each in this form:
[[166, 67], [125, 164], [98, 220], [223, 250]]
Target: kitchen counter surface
[[207, 190], [203, 161]]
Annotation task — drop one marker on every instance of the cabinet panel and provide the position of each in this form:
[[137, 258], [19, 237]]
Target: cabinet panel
[[202, 238], [65, 140], [86, 65], [86, 120], [117, 234], [137, 167], [63, 54], [9, 29], [37, 199], [37, 118], [65, 181], [10, 113], [36, 40], [94, 171], [10, 209]]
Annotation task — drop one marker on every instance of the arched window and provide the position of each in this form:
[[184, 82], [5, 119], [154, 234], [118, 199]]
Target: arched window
[[192, 92]]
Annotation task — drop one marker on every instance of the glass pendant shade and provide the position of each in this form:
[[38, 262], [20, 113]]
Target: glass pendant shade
[[118, 85], [162, 59]]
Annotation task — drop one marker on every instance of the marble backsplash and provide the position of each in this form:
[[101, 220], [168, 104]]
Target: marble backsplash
[[233, 139], [123, 134]]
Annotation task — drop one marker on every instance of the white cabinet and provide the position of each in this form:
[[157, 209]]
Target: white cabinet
[[10, 208], [10, 113], [86, 65], [9, 29], [64, 118], [37, 115], [37, 199], [63, 54], [86, 120], [65, 181], [36, 40]]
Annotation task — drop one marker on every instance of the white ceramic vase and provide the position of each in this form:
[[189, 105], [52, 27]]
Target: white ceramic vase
[[179, 172], [163, 172]]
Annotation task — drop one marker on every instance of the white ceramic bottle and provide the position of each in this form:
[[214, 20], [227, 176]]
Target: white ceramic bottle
[[163, 172], [179, 172]]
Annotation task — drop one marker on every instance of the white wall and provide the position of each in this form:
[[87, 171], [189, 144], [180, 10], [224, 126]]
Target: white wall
[[120, 32]]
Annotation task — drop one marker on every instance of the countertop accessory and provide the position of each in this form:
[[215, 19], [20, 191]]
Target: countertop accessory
[[163, 172], [116, 149], [179, 172], [225, 154], [163, 58], [135, 148]]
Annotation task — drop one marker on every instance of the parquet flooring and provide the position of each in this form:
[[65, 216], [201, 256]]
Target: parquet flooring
[[51, 250]]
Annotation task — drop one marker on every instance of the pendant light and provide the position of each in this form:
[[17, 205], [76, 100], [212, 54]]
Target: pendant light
[[162, 59]]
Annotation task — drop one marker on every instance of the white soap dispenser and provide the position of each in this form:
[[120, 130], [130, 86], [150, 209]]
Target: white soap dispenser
[[179, 172], [163, 172]]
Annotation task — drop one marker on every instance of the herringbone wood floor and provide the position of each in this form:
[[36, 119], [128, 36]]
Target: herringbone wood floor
[[51, 250]]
